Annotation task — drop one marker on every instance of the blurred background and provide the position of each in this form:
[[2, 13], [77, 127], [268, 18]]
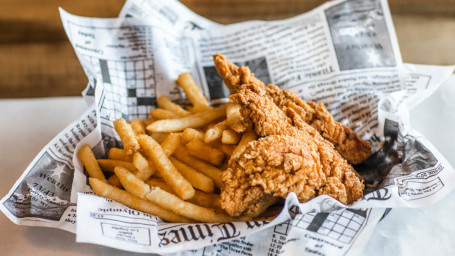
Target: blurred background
[[37, 60]]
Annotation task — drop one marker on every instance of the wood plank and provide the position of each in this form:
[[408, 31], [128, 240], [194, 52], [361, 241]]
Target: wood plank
[[426, 40], [45, 10], [37, 59], [40, 70]]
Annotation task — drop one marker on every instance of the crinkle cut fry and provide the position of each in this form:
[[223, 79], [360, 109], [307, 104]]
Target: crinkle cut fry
[[346, 142], [286, 159]]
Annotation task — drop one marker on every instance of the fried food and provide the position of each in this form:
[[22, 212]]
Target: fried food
[[130, 182], [229, 163], [129, 200], [285, 159], [197, 179], [208, 200], [159, 113], [346, 142], [199, 149], [209, 170], [119, 154], [114, 181], [215, 132], [234, 118], [230, 137], [247, 137], [167, 104], [127, 136], [144, 169], [137, 125], [192, 121], [85, 154], [190, 134], [170, 143], [188, 210], [165, 167], [109, 165], [192, 91]]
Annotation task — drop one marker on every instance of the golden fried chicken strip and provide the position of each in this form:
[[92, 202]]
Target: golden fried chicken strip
[[347, 143], [286, 159], [353, 148], [234, 76]]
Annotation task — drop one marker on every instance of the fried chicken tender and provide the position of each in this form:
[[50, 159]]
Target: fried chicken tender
[[286, 159], [346, 142]]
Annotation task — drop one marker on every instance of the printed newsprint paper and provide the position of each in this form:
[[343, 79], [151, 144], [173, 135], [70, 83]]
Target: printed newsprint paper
[[344, 54]]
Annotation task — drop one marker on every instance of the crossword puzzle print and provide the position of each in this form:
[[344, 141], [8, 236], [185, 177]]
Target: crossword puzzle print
[[341, 225], [129, 88], [125, 66]]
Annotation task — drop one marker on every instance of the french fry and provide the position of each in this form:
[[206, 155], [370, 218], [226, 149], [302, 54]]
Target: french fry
[[230, 137], [114, 181], [197, 179], [234, 118], [123, 197], [228, 149], [148, 121], [170, 143], [167, 170], [137, 125], [140, 162], [209, 170], [192, 91], [159, 113], [190, 134], [208, 200], [85, 154], [247, 137], [206, 127], [109, 165], [119, 154], [192, 121], [189, 108], [156, 174], [161, 184], [131, 183], [159, 136], [140, 189], [215, 132], [127, 136], [199, 149], [144, 169], [165, 103], [146, 173], [185, 209]]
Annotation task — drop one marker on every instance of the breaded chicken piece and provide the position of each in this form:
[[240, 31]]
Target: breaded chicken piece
[[286, 159], [346, 142]]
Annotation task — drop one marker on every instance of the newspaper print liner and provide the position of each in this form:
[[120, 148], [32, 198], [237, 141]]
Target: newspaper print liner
[[405, 170]]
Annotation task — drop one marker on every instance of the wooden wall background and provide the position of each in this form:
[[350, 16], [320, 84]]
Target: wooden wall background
[[36, 59]]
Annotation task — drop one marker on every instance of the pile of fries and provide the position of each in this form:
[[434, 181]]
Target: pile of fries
[[171, 164]]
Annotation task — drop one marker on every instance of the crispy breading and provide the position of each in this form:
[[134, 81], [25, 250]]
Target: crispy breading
[[346, 142], [286, 159]]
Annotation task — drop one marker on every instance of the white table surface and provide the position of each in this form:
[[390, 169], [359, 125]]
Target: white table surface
[[27, 125]]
